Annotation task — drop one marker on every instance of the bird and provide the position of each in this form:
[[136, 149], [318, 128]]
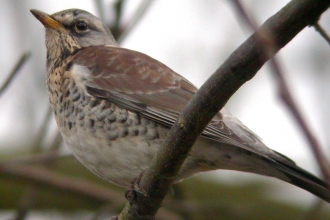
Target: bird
[[114, 107]]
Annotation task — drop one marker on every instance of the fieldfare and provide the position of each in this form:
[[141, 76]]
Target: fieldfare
[[114, 107]]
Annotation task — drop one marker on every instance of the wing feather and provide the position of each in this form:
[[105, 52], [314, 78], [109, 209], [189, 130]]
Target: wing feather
[[140, 83]]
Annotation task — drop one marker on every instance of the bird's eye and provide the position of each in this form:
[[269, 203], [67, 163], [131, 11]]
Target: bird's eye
[[81, 26]]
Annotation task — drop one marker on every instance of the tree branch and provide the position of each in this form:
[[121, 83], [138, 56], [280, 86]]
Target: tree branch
[[288, 99], [240, 67], [46, 177], [41, 176]]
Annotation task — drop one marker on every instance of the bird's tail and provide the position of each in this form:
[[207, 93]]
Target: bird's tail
[[303, 179]]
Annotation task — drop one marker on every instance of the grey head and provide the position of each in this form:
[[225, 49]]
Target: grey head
[[87, 28], [72, 29]]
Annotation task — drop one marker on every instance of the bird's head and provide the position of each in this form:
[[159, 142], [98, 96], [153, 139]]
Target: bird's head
[[69, 30]]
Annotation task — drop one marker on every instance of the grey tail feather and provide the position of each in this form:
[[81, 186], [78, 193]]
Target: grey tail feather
[[303, 179]]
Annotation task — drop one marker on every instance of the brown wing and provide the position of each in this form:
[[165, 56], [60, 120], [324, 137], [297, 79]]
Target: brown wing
[[135, 77], [140, 83], [137, 82]]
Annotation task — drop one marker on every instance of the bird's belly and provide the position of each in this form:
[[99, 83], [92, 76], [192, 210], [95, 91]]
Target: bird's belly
[[118, 161], [114, 143]]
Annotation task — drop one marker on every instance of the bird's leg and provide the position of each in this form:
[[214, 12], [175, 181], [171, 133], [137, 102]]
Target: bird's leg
[[131, 193]]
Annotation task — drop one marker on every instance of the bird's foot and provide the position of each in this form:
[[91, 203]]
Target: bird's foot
[[131, 193]]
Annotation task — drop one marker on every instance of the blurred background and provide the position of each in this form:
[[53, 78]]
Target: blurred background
[[193, 38]]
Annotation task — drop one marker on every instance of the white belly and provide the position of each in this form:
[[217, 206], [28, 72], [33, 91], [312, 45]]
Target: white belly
[[118, 161]]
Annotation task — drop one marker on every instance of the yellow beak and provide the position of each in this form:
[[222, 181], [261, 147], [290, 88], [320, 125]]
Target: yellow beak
[[46, 19]]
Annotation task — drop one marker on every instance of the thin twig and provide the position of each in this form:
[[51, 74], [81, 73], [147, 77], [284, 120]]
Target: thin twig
[[42, 131], [139, 13], [81, 187], [116, 28], [26, 202], [322, 32], [36, 158], [100, 8], [57, 141], [286, 95], [22, 60], [31, 191], [46, 177], [240, 67]]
